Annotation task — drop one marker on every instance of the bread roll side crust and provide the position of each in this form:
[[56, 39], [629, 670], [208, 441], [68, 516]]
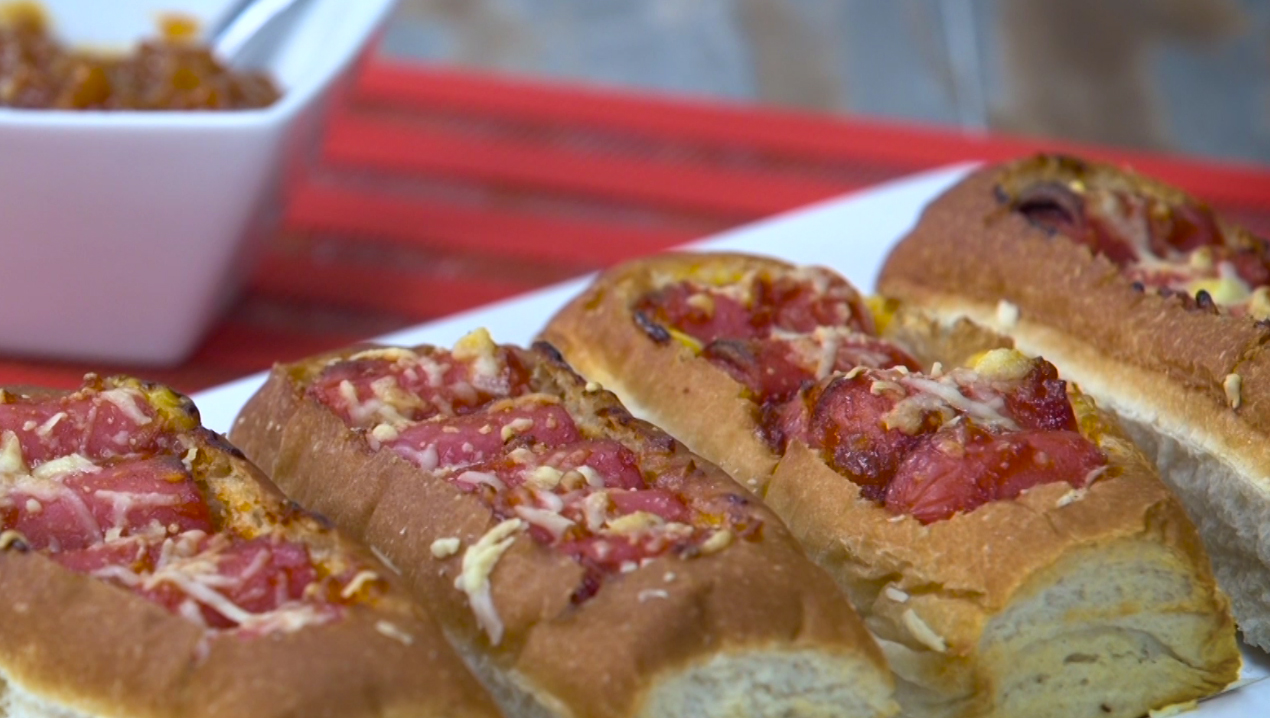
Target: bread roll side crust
[[596, 335], [626, 649]]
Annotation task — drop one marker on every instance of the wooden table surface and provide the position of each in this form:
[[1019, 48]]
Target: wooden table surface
[[436, 190]]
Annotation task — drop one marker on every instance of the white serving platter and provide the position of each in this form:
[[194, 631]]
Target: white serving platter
[[851, 234]]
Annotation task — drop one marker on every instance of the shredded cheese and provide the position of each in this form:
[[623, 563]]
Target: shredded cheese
[[477, 478], [545, 518], [487, 369], [593, 478], [718, 541], [43, 430], [544, 478], [923, 632], [474, 580], [595, 509], [1233, 384], [984, 411], [445, 547], [11, 459], [359, 581], [65, 465], [516, 427], [1007, 314], [425, 458], [651, 593], [896, 594], [9, 538], [396, 354], [126, 400], [384, 433], [389, 630], [636, 522]]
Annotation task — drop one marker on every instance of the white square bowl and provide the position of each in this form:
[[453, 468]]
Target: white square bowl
[[123, 234]]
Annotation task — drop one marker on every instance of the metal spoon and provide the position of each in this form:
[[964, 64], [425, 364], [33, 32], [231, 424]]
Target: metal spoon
[[235, 29]]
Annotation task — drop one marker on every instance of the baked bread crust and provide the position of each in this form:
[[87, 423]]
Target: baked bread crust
[[75, 645], [594, 333], [938, 596], [628, 649], [1191, 387]]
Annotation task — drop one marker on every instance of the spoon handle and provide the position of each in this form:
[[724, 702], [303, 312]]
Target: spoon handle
[[242, 22]]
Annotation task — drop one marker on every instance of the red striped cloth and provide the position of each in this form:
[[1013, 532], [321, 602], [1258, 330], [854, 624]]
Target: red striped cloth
[[438, 190]]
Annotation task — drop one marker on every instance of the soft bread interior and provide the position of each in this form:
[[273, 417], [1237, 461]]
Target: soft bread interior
[[1230, 513], [1107, 631], [756, 683], [1227, 498], [772, 683]]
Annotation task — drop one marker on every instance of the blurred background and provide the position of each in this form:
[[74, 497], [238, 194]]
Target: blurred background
[[1188, 76]]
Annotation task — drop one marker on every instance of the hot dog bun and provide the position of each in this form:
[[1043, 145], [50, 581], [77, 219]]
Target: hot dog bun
[[732, 621], [1061, 601], [1188, 379], [83, 635]]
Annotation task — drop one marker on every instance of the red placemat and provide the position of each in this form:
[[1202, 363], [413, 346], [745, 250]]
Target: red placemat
[[438, 190]]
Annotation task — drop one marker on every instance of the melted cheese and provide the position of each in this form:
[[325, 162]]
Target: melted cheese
[[400, 355], [9, 537], [946, 392], [547, 519], [595, 509], [445, 547], [384, 433], [126, 400], [1002, 364], [634, 523], [122, 502], [43, 430], [1225, 291], [11, 460], [593, 478], [516, 427], [474, 580], [718, 541], [425, 458], [830, 341], [477, 478], [544, 478], [479, 349]]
